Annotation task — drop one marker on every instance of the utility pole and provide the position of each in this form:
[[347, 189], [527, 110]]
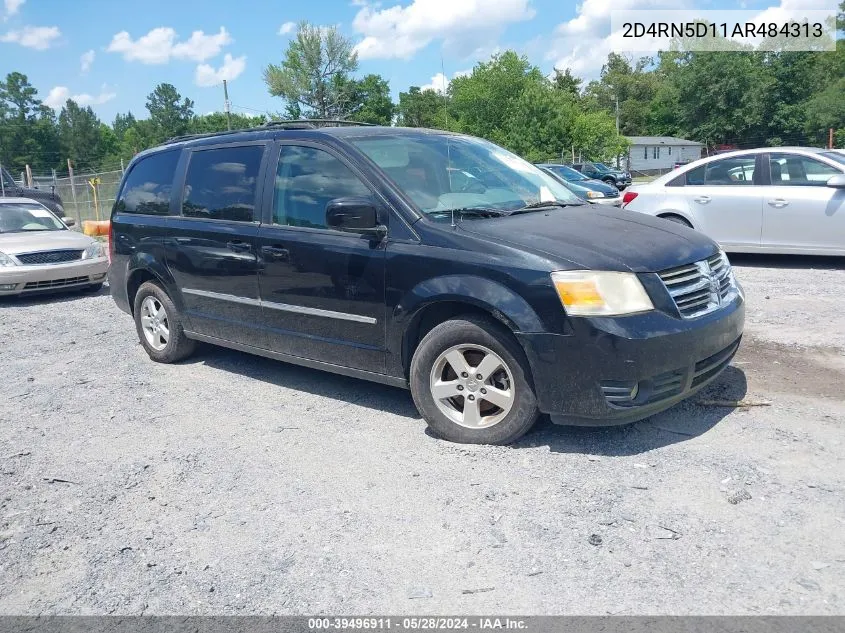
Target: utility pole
[[226, 105], [73, 193], [2, 182], [830, 138], [617, 115]]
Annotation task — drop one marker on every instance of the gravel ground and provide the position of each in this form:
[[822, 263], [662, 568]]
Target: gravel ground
[[234, 484]]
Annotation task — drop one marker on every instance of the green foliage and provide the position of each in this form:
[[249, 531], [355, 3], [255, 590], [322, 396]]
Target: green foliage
[[80, 136], [170, 115], [314, 74], [370, 101], [420, 108]]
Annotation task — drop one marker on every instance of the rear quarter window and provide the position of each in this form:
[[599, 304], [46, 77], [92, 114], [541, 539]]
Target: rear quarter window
[[147, 188]]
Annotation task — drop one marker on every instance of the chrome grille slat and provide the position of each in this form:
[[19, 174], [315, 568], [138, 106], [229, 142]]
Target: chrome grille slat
[[700, 288]]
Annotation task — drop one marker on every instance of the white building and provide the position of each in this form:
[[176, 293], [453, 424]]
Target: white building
[[660, 153]]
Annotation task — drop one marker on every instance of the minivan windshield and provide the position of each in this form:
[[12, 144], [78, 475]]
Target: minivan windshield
[[441, 173], [23, 218]]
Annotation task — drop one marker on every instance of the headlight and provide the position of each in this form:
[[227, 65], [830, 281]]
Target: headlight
[[595, 194], [5, 260], [95, 250], [597, 293]]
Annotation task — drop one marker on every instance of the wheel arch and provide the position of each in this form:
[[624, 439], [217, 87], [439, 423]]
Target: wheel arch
[[144, 268], [677, 214], [434, 301]]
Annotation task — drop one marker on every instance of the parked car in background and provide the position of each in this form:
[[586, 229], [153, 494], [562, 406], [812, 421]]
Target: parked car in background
[[11, 189], [422, 259], [38, 252], [593, 191], [680, 163], [599, 171], [770, 200]]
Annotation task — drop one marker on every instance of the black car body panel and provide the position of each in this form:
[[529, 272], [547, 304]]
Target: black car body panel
[[354, 304], [48, 198]]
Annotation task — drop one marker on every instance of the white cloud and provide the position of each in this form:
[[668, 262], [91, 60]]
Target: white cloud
[[59, 95], [160, 45], [583, 43], [401, 31], [286, 28], [38, 37], [232, 67], [86, 60], [439, 83], [11, 8]]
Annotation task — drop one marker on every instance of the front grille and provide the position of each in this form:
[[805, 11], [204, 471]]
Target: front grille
[[700, 287], [55, 283], [49, 257], [709, 367], [612, 194]]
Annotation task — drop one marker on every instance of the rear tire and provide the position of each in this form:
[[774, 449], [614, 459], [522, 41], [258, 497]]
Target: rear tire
[[498, 408], [676, 219], [159, 325]]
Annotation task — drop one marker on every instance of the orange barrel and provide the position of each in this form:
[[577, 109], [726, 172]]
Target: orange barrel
[[95, 227]]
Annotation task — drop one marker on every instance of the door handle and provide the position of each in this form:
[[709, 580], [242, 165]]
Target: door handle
[[238, 246], [275, 253], [778, 203], [702, 199]]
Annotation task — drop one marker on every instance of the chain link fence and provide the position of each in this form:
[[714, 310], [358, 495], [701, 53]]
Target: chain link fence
[[85, 196]]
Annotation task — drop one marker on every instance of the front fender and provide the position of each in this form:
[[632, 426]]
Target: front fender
[[502, 302]]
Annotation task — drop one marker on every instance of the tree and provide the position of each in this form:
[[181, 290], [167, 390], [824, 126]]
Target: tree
[[420, 108], [79, 136], [122, 122], [567, 82], [170, 115], [20, 111], [315, 72], [370, 101], [483, 101]]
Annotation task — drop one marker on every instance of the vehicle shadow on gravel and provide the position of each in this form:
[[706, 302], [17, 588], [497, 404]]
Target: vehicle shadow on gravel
[[29, 300], [813, 262], [320, 383], [684, 421]]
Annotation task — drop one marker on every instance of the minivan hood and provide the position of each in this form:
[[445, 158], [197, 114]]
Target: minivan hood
[[33, 241], [598, 239]]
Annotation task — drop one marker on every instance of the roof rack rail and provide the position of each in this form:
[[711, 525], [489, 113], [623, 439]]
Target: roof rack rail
[[309, 124], [188, 137], [293, 124]]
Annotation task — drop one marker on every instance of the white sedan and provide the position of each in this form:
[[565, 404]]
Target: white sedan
[[769, 200]]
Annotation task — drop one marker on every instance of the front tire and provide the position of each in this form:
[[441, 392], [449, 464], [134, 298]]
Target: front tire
[[471, 382], [676, 219], [159, 325]]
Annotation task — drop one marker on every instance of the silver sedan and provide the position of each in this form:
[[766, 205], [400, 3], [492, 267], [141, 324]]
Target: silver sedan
[[38, 252], [770, 200]]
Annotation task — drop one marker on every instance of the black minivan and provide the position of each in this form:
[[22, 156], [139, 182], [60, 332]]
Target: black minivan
[[422, 259]]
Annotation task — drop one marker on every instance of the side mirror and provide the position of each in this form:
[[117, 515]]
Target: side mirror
[[69, 221], [355, 215], [837, 181]]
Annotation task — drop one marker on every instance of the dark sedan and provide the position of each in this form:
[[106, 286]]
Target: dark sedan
[[593, 191]]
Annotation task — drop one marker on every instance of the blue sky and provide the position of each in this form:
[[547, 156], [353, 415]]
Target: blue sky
[[110, 54]]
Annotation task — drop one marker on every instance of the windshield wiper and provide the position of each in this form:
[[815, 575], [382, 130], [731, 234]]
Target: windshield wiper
[[479, 211], [536, 206]]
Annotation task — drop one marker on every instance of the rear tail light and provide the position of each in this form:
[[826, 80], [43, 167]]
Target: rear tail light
[[111, 241], [628, 196]]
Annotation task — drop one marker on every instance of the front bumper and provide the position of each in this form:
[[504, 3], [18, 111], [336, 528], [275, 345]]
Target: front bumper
[[15, 280], [622, 369]]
